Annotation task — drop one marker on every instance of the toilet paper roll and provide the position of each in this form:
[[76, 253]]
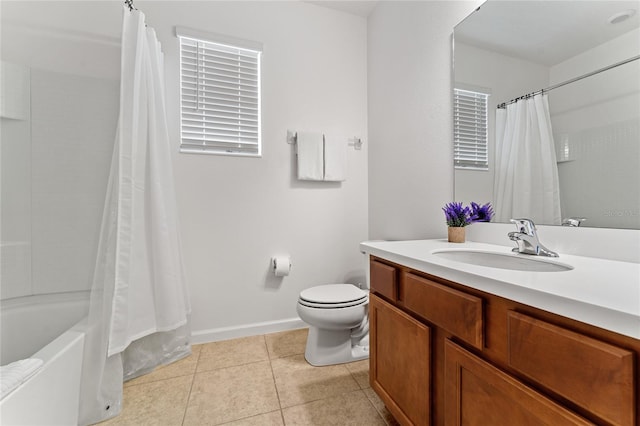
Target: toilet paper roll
[[281, 266]]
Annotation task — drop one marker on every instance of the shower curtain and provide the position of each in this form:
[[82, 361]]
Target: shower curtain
[[526, 173], [139, 307]]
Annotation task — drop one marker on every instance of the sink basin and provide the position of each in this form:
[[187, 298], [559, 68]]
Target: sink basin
[[516, 262]]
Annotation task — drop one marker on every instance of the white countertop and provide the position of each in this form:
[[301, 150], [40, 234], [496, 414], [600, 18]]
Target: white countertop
[[603, 293]]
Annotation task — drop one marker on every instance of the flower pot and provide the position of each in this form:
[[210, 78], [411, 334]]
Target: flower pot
[[456, 234]]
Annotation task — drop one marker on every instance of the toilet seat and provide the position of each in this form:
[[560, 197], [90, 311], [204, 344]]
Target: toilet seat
[[331, 296]]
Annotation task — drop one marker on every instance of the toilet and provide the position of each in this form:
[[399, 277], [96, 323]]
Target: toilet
[[338, 320]]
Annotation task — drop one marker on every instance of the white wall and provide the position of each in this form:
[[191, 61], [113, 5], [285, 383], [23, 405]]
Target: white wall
[[238, 212], [410, 121]]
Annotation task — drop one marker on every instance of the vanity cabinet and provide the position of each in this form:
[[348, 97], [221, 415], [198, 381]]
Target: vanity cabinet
[[443, 353]]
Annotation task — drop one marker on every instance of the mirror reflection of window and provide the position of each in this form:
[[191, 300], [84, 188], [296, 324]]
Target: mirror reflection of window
[[470, 129]]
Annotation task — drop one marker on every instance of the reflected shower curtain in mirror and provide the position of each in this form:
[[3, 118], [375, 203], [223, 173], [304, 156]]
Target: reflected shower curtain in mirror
[[139, 309], [526, 173]]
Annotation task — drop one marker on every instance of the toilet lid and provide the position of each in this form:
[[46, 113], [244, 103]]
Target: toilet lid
[[333, 294]]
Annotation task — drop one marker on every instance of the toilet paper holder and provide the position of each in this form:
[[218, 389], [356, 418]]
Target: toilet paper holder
[[281, 265]]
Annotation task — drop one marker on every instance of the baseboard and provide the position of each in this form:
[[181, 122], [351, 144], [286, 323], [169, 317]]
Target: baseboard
[[245, 330]]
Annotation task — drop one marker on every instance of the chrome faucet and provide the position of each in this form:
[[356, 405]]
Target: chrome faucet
[[573, 221], [527, 239]]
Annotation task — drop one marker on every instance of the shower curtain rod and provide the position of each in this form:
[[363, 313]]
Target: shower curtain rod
[[573, 80]]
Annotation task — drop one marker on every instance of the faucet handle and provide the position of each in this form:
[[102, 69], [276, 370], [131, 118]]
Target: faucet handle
[[524, 225]]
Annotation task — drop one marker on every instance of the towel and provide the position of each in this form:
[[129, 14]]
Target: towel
[[335, 160], [310, 156], [14, 374]]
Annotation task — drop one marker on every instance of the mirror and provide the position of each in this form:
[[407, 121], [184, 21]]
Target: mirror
[[508, 49]]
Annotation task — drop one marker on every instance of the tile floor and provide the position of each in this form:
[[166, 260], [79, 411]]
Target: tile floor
[[261, 380]]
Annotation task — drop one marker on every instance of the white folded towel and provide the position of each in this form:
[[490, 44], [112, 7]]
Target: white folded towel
[[14, 374], [310, 156], [335, 160]]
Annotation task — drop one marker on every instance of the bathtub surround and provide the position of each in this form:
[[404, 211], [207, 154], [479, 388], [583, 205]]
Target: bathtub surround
[[139, 311], [54, 180], [54, 203]]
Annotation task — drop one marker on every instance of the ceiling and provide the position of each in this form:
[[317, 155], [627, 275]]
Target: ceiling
[[545, 32], [359, 7]]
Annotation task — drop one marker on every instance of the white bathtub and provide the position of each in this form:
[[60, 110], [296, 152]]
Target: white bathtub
[[48, 327]]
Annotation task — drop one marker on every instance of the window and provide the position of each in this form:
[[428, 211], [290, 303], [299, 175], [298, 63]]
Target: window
[[219, 95], [470, 130]]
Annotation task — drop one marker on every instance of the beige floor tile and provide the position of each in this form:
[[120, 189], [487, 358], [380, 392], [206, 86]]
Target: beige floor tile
[[360, 371], [184, 367], [233, 393], [380, 407], [160, 403], [287, 343], [229, 353], [273, 418], [351, 408], [298, 382]]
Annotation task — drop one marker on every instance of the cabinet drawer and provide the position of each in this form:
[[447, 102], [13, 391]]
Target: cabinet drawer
[[595, 375], [384, 279], [455, 311]]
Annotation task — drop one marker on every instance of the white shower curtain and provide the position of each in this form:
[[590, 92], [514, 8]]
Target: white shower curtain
[[526, 173], [139, 310]]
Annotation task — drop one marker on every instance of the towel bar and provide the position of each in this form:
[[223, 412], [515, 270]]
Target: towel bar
[[355, 142], [292, 137]]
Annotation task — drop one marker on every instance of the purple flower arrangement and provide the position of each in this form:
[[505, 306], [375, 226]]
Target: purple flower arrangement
[[458, 215], [480, 213]]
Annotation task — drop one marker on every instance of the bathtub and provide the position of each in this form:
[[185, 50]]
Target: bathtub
[[51, 328]]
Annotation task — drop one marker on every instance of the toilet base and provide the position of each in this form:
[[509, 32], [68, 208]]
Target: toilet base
[[329, 347]]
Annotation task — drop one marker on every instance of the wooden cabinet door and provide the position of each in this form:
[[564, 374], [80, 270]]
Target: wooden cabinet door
[[400, 362], [477, 393]]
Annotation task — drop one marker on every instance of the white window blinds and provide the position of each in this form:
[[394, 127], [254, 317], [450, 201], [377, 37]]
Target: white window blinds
[[470, 130], [220, 98]]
